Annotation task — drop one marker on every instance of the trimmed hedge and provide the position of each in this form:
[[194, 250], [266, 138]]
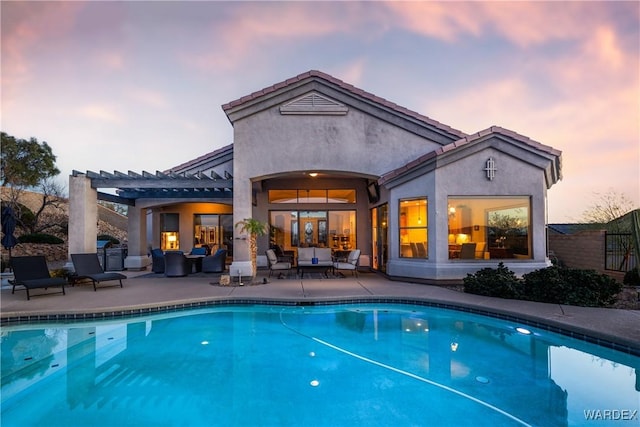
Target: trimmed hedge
[[554, 284], [40, 238]]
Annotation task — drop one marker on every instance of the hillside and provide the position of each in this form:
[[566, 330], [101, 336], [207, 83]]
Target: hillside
[[109, 222]]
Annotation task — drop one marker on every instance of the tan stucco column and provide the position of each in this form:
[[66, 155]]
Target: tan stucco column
[[137, 258], [242, 209], [83, 215]]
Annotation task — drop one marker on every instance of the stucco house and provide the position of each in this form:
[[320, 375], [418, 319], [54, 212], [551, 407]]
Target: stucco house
[[327, 164]]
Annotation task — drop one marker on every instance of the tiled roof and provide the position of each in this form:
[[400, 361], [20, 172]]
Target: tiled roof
[[314, 74], [574, 228], [493, 130], [201, 159]]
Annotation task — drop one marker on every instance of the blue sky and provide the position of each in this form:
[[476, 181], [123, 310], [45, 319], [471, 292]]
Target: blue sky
[[139, 85]]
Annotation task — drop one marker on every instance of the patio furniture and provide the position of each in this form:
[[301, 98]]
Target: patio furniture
[[215, 263], [352, 263], [31, 272], [312, 258], [286, 256], [276, 265], [176, 264], [88, 266], [201, 250], [157, 261]]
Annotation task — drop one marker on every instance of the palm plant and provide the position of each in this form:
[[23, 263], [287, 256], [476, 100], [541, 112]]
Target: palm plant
[[253, 228]]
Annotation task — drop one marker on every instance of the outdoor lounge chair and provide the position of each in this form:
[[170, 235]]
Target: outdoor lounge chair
[[276, 265], [157, 261], [88, 266], [176, 264], [215, 263], [352, 263], [32, 272]]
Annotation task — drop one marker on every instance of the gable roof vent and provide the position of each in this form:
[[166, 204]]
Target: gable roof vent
[[314, 103]]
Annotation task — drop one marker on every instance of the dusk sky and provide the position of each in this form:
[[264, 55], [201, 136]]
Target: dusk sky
[[139, 85]]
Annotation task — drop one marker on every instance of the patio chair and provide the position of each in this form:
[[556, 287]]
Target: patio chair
[[215, 263], [277, 265], [176, 264], [31, 272], [352, 263], [87, 266], [157, 261]]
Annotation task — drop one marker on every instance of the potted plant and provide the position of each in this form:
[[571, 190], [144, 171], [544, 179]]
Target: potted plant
[[253, 228]]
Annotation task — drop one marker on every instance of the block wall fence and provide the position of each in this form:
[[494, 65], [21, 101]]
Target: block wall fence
[[584, 250]]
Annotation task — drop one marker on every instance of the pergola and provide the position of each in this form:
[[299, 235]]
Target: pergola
[[138, 191]]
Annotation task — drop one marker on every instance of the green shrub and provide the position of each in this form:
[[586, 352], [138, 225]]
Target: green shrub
[[557, 285], [59, 272], [40, 238], [112, 239], [545, 285], [632, 277], [499, 282]]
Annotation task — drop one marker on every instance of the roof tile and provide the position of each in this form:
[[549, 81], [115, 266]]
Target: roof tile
[[354, 90]]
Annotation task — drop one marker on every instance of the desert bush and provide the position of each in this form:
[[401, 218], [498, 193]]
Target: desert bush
[[632, 277], [555, 285], [570, 286], [494, 282], [40, 238]]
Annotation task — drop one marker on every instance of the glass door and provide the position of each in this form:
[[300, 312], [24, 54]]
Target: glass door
[[379, 237]]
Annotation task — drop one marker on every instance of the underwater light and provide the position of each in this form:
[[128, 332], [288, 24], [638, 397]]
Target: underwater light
[[314, 383], [205, 343], [523, 331]]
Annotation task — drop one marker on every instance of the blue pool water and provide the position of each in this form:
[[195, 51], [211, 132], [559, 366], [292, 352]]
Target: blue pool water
[[342, 365]]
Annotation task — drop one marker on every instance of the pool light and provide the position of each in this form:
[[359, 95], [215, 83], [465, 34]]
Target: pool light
[[523, 331], [314, 383], [205, 343]]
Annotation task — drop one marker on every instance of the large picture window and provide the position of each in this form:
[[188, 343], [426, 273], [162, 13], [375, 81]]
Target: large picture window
[[489, 227], [334, 229], [413, 228]]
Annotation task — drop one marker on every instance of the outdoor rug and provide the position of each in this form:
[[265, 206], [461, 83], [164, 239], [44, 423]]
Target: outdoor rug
[[212, 276]]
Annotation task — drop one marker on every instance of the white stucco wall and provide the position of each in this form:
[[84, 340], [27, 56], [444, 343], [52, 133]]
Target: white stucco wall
[[268, 144], [466, 177]]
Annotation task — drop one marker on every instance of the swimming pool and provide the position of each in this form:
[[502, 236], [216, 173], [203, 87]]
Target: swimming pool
[[270, 365]]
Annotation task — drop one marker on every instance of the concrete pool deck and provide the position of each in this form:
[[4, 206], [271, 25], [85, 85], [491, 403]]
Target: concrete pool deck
[[614, 328]]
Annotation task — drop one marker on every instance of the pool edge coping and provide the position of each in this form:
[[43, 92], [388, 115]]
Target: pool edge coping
[[588, 335]]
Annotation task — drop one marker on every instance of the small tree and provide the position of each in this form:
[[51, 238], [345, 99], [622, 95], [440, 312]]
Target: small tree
[[26, 163], [607, 208], [253, 228]]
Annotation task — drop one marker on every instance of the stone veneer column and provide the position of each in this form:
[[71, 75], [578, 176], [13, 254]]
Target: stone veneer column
[[137, 258], [83, 215]]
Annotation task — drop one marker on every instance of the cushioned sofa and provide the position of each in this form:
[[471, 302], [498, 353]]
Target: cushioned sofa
[[314, 258]]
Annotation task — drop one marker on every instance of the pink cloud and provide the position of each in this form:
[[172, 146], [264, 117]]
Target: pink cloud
[[254, 25], [148, 97], [25, 26], [102, 113]]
